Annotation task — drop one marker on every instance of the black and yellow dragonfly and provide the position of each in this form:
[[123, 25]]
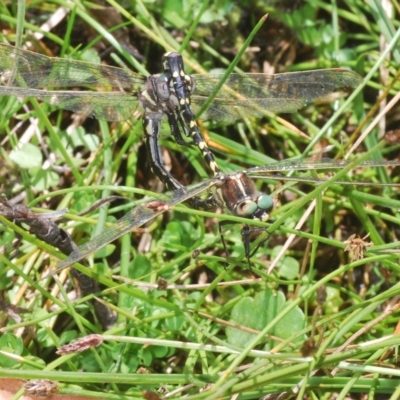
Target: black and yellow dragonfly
[[110, 93]]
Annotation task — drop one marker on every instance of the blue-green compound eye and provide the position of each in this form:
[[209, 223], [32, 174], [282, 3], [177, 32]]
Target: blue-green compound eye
[[265, 202], [246, 208]]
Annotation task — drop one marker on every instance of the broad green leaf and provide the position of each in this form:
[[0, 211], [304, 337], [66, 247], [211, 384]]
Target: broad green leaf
[[79, 137], [10, 345], [174, 324], [141, 267], [288, 267], [105, 251], [257, 313], [29, 156], [44, 179]]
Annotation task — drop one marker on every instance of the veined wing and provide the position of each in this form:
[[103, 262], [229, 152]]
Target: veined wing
[[256, 94], [21, 68], [311, 164], [264, 171], [135, 218], [110, 106]]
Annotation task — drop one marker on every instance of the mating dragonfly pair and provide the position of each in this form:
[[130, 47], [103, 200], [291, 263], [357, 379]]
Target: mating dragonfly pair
[[177, 96]]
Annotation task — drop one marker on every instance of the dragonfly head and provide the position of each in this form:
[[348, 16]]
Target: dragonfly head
[[242, 198], [255, 208]]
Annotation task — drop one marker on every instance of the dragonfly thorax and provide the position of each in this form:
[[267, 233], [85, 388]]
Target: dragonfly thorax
[[240, 196], [159, 93], [156, 97]]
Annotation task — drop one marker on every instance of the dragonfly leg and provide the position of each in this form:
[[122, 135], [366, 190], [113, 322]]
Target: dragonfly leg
[[183, 88], [221, 234], [223, 241], [176, 132], [247, 235], [151, 127]]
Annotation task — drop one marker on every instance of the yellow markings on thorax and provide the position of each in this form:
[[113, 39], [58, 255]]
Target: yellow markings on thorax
[[147, 96]]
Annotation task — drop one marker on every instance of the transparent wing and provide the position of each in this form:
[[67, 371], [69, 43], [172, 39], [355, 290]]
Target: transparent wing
[[255, 94], [110, 106], [138, 216], [23, 68], [310, 164], [242, 94]]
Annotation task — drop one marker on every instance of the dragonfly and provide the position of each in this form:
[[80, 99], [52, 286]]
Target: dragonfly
[[235, 191], [113, 94]]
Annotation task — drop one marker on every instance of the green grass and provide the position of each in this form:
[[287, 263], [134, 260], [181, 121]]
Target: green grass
[[182, 339]]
